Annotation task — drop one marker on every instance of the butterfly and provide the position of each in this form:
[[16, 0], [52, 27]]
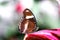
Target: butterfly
[[28, 24]]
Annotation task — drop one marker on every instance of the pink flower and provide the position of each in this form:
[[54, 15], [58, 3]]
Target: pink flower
[[44, 35], [19, 8]]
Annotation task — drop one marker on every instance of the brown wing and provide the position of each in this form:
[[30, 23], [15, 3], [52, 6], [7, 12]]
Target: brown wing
[[28, 25], [27, 12]]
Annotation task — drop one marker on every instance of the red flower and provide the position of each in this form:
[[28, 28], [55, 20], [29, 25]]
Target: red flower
[[44, 35]]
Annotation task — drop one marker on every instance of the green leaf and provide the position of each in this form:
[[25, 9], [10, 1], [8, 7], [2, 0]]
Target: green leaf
[[4, 3]]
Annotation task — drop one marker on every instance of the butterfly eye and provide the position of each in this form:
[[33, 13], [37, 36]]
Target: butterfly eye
[[28, 23]]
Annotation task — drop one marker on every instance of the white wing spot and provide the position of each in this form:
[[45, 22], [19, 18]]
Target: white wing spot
[[28, 17], [26, 26]]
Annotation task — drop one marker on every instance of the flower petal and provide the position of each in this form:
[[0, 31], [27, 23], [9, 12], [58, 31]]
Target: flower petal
[[44, 35]]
